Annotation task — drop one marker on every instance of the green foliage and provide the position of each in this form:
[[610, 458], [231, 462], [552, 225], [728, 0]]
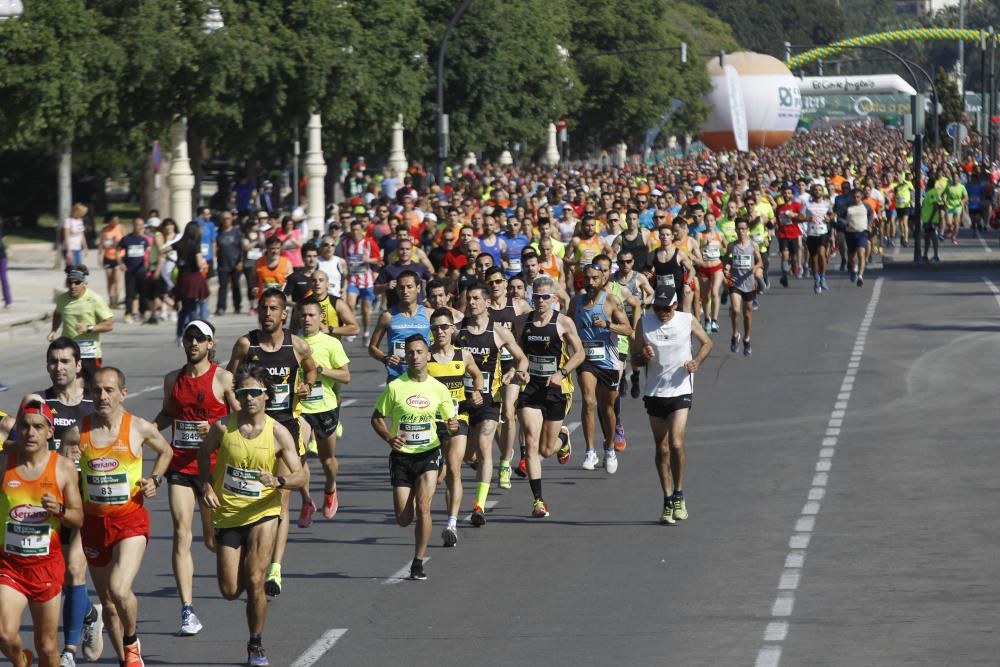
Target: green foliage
[[763, 25], [948, 98]]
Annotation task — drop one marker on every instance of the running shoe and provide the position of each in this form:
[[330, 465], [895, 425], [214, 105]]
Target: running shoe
[[567, 449], [522, 468], [449, 536], [256, 656], [635, 384], [715, 326], [936, 259], [784, 281], [190, 625], [478, 517], [610, 462], [755, 303], [312, 447], [734, 342], [747, 351], [539, 509], [680, 509], [306, 514], [667, 517], [590, 460], [133, 655], [623, 385], [28, 657], [767, 283], [92, 635], [816, 288], [272, 585], [3, 387], [619, 441], [67, 659], [417, 572], [854, 276], [823, 284], [504, 482], [330, 505], [860, 281]]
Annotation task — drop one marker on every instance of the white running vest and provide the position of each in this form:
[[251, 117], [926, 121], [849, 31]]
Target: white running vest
[[671, 340]]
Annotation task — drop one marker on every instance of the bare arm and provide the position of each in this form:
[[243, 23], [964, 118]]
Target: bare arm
[[348, 322], [224, 381], [239, 354], [378, 424], [304, 354], [165, 417], [504, 338], [72, 504], [571, 338], [340, 375], [208, 447], [373, 345], [150, 437], [287, 452], [703, 351]]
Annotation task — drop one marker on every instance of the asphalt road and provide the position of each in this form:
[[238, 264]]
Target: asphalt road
[[832, 522]]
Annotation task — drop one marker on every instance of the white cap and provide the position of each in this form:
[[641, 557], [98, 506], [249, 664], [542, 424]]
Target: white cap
[[201, 326]]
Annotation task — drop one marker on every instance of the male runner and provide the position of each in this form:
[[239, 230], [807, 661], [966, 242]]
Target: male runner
[[243, 494], [670, 264], [820, 215], [599, 318], [789, 235], [281, 354], [69, 401], [83, 317], [38, 497], [337, 317], [115, 523], [515, 241], [742, 270], [438, 297], [547, 338], [582, 251], [633, 281], [859, 216], [397, 324], [194, 397], [450, 366], [663, 342], [321, 408], [405, 416], [363, 256]]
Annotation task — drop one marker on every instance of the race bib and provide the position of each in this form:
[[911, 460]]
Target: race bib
[[399, 348], [88, 348], [743, 261], [542, 366], [112, 489], [186, 435], [253, 254], [416, 434], [242, 482], [135, 251], [109, 243], [470, 384], [355, 263], [595, 350], [785, 220], [205, 248], [514, 264], [282, 397], [666, 280], [756, 238], [817, 228], [712, 252], [24, 539], [315, 394], [270, 283]]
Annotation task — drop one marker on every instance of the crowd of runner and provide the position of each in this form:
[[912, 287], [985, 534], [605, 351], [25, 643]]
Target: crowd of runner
[[488, 302]]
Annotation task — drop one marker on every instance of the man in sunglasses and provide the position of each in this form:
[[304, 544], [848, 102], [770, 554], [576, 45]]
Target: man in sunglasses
[[554, 350], [333, 266], [256, 459], [663, 343], [83, 316], [194, 396]]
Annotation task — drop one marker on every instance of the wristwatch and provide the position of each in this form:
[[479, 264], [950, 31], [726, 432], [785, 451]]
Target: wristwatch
[[319, 371], [90, 328], [157, 480]]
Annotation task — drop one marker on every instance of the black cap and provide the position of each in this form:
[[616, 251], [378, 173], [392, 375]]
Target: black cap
[[666, 296]]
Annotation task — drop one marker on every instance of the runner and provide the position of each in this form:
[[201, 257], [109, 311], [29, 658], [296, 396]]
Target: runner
[[820, 215], [635, 240], [110, 235], [904, 207], [742, 272], [194, 396], [636, 284], [692, 251], [669, 264], [515, 241], [438, 297], [663, 342], [333, 266], [363, 256], [453, 366], [859, 221], [338, 319], [281, 354], [255, 463], [83, 316], [931, 214], [69, 401], [547, 339], [712, 244], [582, 251], [404, 417], [397, 324], [115, 523], [599, 318], [321, 409], [789, 235], [39, 497]]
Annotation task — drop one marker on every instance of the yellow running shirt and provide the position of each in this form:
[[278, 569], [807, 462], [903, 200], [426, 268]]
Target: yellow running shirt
[[411, 409], [236, 478]]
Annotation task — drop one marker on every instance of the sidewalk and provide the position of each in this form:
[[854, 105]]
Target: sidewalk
[[975, 250], [34, 283]]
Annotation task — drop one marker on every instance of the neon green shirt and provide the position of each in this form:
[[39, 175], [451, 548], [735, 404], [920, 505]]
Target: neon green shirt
[[89, 309], [327, 352], [953, 196], [412, 407], [558, 247], [904, 194]]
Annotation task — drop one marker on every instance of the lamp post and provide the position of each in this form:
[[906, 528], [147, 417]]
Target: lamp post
[[442, 120]]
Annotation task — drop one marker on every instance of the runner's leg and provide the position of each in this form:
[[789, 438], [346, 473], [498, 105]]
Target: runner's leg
[[12, 604]]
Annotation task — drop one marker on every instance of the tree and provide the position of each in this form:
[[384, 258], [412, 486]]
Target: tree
[[763, 26], [949, 99]]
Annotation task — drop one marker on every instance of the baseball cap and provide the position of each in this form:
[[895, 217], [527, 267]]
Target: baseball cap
[[202, 327], [262, 215], [33, 406], [77, 272], [666, 296]]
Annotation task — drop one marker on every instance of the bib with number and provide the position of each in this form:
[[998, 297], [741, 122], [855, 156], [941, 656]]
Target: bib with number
[[785, 220], [242, 482], [666, 280], [25, 539], [817, 228], [595, 350], [109, 489], [186, 434], [542, 366], [88, 348], [315, 394], [253, 254], [514, 264], [416, 434], [741, 261], [135, 251], [399, 348], [470, 384], [712, 252], [505, 354], [205, 247], [355, 263], [282, 397]]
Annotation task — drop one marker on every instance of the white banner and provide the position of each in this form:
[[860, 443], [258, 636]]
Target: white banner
[[848, 85], [737, 109]]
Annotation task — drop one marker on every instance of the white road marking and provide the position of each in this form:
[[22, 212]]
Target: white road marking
[[319, 647], [983, 242], [572, 426], [402, 574], [993, 288], [350, 401], [147, 390], [490, 504], [784, 602]]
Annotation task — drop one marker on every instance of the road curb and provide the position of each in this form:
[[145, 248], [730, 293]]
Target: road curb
[[25, 322]]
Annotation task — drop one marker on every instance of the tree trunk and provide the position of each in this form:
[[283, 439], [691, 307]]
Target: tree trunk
[[65, 185], [194, 151]]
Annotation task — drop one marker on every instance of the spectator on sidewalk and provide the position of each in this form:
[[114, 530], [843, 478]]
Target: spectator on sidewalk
[[229, 244], [110, 235], [7, 300], [74, 234], [192, 271], [135, 246]]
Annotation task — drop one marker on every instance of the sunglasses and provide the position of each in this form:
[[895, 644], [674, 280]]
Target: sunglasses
[[441, 327], [74, 282], [541, 297], [498, 281], [251, 392], [198, 337], [626, 261]]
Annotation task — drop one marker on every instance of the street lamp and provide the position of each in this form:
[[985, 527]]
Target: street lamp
[[10, 9]]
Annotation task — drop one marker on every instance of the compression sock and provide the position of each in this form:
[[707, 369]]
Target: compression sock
[[504, 463], [128, 640], [254, 640], [678, 494], [536, 488], [482, 490], [667, 500], [75, 609]]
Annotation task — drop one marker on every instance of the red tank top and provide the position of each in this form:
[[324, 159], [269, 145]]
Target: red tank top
[[192, 402]]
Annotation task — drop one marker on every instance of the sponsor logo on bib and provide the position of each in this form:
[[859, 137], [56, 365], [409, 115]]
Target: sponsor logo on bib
[[418, 402], [29, 514], [103, 464]]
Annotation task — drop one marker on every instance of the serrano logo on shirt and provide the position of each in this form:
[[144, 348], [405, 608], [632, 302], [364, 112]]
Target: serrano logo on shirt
[[418, 402], [29, 514], [13, 484], [102, 464]]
